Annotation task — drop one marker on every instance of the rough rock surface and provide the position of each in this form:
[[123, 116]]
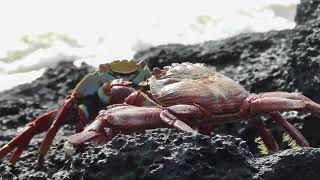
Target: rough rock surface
[[286, 60], [307, 10], [278, 60], [289, 164], [164, 154]]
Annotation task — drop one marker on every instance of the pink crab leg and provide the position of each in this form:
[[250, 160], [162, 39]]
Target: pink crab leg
[[266, 135], [273, 105], [177, 114], [287, 95], [293, 132], [172, 120], [278, 101], [38, 126], [17, 153], [115, 91], [77, 139], [58, 121], [269, 104], [139, 98], [128, 119], [119, 118], [94, 132]]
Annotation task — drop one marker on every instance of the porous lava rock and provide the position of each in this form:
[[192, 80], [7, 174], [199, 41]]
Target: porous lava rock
[[163, 154], [297, 164], [285, 60], [308, 10]]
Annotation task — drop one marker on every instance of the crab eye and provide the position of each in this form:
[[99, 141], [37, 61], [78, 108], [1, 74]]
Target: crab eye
[[157, 72], [104, 68]]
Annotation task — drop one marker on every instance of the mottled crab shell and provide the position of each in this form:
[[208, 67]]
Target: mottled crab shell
[[127, 70], [198, 84], [124, 66]]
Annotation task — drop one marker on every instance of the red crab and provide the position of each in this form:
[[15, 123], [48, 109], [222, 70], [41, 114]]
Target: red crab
[[109, 84], [191, 98]]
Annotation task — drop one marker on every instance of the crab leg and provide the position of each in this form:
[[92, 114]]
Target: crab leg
[[266, 135], [128, 119], [94, 132], [59, 120], [286, 95], [120, 118], [20, 142], [268, 103], [172, 120], [282, 101], [113, 91], [139, 98], [293, 132], [177, 115]]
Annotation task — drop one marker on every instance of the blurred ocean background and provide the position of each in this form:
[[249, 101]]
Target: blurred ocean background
[[38, 33]]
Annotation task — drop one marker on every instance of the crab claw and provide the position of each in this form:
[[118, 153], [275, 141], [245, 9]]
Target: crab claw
[[97, 132]]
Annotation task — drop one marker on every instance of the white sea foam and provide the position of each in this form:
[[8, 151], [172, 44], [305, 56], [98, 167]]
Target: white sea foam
[[98, 31]]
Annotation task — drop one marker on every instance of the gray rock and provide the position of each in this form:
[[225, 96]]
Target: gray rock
[[163, 154], [278, 60], [286, 60], [307, 10], [290, 164]]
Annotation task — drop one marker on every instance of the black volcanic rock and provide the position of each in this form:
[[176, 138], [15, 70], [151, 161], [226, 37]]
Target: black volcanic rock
[[168, 154], [286, 60], [278, 60], [307, 10], [256, 60], [164, 154], [296, 164]]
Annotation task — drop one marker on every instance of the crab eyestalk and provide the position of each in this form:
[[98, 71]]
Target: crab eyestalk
[[157, 72]]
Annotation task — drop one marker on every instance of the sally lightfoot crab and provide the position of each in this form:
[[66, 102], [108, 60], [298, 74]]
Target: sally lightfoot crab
[[109, 84], [192, 98]]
